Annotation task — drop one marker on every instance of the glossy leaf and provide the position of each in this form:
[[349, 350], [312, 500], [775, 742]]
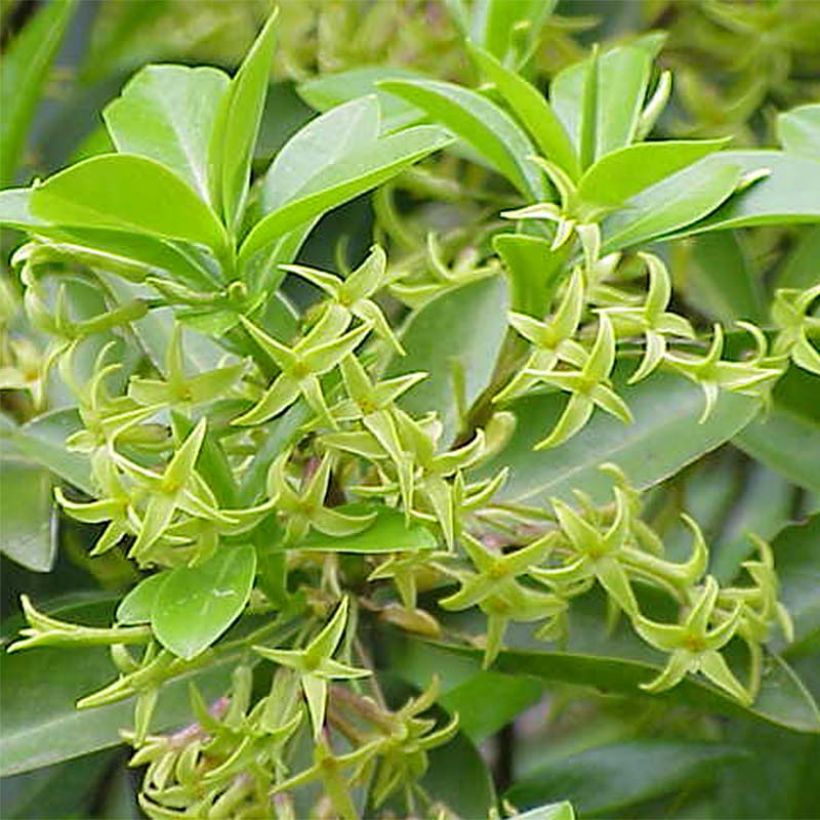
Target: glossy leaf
[[121, 192], [623, 75], [28, 521], [40, 688], [388, 533], [237, 126], [359, 171], [329, 90], [623, 173], [618, 664], [607, 778], [319, 145], [799, 131], [456, 339], [674, 203], [167, 113], [790, 194], [532, 109], [195, 605], [552, 811], [664, 437], [23, 73], [785, 439], [137, 605], [481, 124]]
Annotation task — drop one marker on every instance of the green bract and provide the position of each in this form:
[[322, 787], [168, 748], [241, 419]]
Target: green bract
[[449, 469]]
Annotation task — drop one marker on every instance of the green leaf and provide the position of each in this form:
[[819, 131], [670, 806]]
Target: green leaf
[[28, 521], [674, 203], [322, 143], [453, 765], [237, 126], [43, 441], [481, 124], [615, 663], [609, 778], [388, 533], [532, 109], [553, 811], [456, 339], [122, 192], [623, 173], [799, 269], [329, 90], [499, 25], [623, 75], [778, 778], [664, 437], [798, 569], [356, 173], [786, 438], [533, 269], [167, 113], [798, 130], [23, 73], [40, 687], [790, 194], [720, 281], [195, 605], [463, 687], [65, 790], [137, 605]]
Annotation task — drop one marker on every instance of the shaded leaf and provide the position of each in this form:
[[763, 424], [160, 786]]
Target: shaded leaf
[[23, 73], [39, 689], [456, 339], [43, 440], [607, 778], [785, 439], [28, 521]]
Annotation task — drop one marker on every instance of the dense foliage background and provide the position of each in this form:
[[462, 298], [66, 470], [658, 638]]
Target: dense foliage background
[[530, 735]]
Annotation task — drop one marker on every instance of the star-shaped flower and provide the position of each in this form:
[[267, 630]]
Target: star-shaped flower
[[594, 554], [305, 510], [590, 387], [313, 356], [752, 378], [651, 319], [178, 487], [790, 312], [355, 292], [693, 646], [316, 666], [498, 594], [552, 339], [178, 388]]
